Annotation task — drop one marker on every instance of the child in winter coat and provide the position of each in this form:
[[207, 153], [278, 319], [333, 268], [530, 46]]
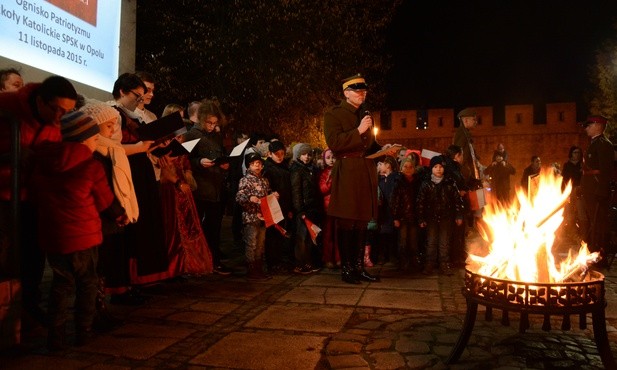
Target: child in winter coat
[[388, 178], [404, 212], [331, 256], [439, 205], [306, 204], [252, 187], [70, 189]]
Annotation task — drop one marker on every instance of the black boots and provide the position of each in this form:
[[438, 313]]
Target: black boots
[[347, 272], [359, 243], [351, 247]]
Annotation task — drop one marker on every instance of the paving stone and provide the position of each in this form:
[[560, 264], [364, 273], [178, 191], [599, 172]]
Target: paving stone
[[318, 319], [346, 361], [343, 347], [195, 317], [220, 308], [408, 345], [42, 362], [388, 360], [369, 325], [419, 361], [350, 336], [138, 341], [263, 351], [379, 344], [401, 299]]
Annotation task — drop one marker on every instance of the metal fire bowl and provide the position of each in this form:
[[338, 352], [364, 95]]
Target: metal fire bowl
[[537, 298]]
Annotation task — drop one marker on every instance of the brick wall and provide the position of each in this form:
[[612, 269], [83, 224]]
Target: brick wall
[[521, 137]]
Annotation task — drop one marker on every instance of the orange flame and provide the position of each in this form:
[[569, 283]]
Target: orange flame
[[521, 236]]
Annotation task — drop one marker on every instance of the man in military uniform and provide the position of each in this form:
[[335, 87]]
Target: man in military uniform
[[595, 184], [462, 137], [347, 129]]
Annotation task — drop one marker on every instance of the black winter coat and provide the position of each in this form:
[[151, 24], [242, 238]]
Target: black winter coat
[[304, 191], [279, 177], [439, 202], [404, 206]]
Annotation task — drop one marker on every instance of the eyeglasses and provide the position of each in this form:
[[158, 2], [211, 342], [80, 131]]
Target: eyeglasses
[[138, 96]]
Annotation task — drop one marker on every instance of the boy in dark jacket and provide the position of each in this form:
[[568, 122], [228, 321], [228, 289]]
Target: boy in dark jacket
[[278, 246], [70, 189], [439, 205], [306, 203]]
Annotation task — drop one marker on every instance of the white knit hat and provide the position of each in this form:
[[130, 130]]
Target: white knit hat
[[99, 111]]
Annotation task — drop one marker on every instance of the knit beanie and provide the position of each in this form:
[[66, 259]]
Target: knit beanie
[[301, 148], [77, 127], [438, 159], [99, 111]]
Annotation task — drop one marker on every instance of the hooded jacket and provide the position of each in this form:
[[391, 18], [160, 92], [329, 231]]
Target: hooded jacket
[[20, 106], [70, 189]]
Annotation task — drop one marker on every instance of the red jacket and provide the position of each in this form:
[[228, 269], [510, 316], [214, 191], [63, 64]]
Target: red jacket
[[20, 105], [70, 189]]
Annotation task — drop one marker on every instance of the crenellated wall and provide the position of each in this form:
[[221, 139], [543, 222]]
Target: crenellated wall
[[514, 127]]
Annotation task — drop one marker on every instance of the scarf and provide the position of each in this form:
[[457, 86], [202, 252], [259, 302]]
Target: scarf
[[121, 175], [436, 179]]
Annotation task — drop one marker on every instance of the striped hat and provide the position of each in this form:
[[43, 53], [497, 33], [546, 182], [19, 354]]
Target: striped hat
[[77, 127]]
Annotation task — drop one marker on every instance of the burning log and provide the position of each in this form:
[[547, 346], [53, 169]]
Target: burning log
[[578, 271]]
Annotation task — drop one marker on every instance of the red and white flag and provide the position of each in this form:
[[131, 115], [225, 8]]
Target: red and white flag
[[425, 157], [313, 229], [271, 210]]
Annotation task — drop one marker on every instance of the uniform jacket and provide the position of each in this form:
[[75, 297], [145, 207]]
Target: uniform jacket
[[462, 138], [251, 185], [70, 189], [21, 106], [211, 180], [599, 156], [354, 177], [439, 202]]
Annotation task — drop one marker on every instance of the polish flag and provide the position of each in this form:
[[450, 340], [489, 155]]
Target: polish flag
[[313, 229]]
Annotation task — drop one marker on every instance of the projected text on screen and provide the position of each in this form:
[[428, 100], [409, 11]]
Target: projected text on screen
[[77, 39]]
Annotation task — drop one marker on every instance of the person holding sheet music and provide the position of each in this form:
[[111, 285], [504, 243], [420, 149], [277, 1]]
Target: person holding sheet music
[[147, 260], [210, 176], [189, 253]]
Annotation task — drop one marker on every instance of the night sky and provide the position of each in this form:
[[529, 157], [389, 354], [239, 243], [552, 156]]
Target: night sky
[[462, 53]]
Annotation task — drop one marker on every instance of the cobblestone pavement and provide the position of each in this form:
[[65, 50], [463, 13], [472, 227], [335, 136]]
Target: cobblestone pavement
[[319, 322]]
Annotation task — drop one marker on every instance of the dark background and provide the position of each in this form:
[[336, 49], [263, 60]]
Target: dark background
[[473, 53]]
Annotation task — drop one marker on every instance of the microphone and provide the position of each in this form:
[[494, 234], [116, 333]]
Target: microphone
[[367, 112]]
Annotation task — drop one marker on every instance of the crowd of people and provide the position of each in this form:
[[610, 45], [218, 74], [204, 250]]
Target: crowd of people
[[116, 212]]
